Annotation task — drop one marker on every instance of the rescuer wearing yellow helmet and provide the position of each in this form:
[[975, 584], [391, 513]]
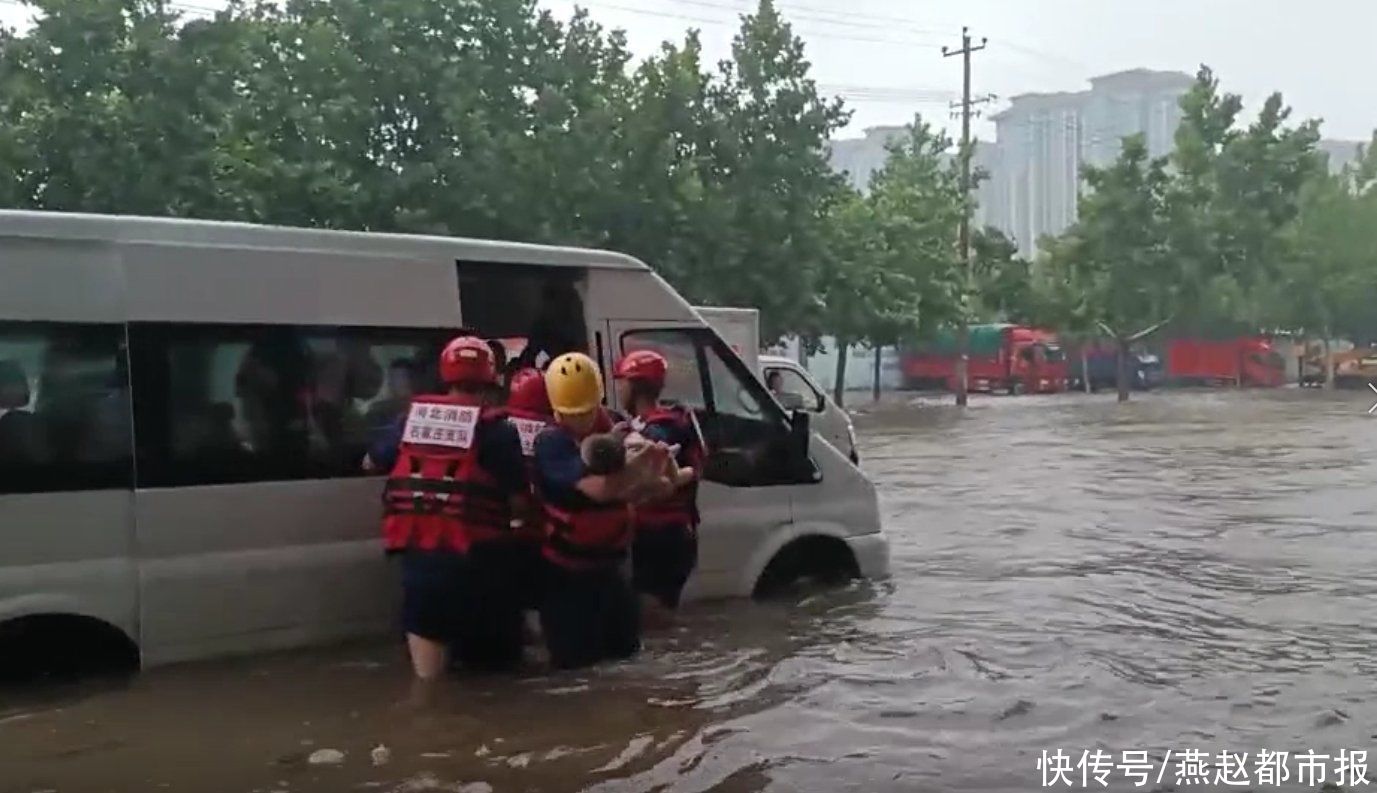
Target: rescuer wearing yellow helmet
[[588, 612]]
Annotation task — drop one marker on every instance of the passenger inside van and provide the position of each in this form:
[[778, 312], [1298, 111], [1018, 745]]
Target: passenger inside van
[[401, 375], [19, 429], [560, 326], [336, 424], [272, 378], [82, 404]]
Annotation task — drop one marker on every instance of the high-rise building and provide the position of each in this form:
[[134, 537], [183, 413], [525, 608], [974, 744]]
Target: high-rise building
[[1340, 153], [858, 159], [1044, 141]]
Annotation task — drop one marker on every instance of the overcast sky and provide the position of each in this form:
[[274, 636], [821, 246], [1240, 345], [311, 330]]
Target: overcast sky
[[885, 55]]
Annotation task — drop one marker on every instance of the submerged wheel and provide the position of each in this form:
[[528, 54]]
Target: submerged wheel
[[61, 648], [823, 560]]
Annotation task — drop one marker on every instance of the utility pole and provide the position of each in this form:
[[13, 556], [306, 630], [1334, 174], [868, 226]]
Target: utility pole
[[963, 330]]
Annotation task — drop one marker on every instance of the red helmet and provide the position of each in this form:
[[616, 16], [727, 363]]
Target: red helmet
[[643, 365], [467, 359], [528, 392]]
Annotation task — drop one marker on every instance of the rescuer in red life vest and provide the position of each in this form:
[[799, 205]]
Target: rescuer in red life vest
[[528, 408], [450, 501], [589, 612], [665, 550]]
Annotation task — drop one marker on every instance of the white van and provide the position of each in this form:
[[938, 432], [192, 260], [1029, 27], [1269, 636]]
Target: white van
[[184, 406], [795, 389]]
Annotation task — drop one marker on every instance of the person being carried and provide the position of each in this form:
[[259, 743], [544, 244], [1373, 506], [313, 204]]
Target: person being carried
[[605, 454]]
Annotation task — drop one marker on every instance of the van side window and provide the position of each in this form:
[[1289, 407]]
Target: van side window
[[539, 305], [743, 428], [64, 408], [219, 404]]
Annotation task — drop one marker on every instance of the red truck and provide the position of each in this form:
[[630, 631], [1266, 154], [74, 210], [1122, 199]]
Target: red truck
[[1003, 357], [1249, 361]]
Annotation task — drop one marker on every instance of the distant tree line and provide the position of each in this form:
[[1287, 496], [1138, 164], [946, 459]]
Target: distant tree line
[[497, 120]]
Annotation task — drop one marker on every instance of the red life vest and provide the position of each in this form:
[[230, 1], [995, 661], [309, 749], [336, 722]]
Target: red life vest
[[681, 507], [529, 424], [589, 536], [438, 496]]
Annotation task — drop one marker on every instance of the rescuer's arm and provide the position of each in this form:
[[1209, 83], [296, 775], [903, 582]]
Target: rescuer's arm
[[679, 472], [382, 455], [500, 455]]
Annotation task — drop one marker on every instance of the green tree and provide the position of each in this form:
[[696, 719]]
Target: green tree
[[1118, 254], [1234, 193], [1328, 285], [894, 271], [768, 178], [113, 106], [1003, 279]]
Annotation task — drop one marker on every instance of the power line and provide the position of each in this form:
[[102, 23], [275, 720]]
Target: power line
[[805, 15], [813, 34]]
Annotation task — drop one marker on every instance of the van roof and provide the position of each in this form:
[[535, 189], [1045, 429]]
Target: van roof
[[217, 233]]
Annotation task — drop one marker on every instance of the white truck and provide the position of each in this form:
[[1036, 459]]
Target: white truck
[[787, 379]]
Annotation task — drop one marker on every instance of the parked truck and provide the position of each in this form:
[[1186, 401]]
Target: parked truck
[[1100, 363], [1246, 361], [739, 328], [1354, 368], [1001, 357]]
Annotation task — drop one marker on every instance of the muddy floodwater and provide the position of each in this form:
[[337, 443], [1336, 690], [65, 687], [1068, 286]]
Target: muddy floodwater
[[1192, 571]]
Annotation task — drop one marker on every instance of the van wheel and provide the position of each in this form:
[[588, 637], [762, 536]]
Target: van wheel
[[59, 648], [819, 560]]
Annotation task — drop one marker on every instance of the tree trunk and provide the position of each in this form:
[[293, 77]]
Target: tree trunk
[[1123, 369], [1085, 368], [1328, 363], [839, 386], [963, 342], [875, 388]]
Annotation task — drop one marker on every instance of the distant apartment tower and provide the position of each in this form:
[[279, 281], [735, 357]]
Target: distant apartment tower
[[858, 159], [1340, 153], [1044, 141]]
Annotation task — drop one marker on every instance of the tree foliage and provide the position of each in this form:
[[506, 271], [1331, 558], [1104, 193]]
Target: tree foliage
[[1237, 231], [488, 119], [494, 119]]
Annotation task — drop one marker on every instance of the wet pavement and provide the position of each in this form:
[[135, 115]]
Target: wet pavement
[[1191, 571]]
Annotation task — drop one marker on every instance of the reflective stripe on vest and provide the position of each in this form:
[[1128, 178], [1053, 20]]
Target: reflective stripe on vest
[[594, 536]]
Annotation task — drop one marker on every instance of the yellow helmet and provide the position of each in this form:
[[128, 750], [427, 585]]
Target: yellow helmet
[[573, 383]]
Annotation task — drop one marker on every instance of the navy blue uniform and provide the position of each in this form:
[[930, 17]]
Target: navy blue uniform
[[588, 614], [473, 601]]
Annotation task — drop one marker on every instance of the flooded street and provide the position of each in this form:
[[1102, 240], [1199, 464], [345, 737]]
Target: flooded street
[[1189, 571]]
